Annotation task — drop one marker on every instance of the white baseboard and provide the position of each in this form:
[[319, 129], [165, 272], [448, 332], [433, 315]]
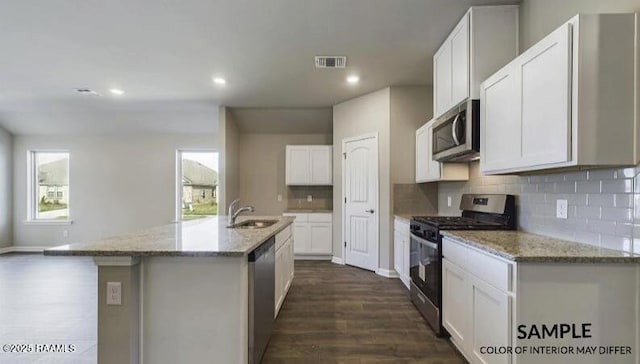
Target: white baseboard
[[387, 273], [337, 260], [312, 257], [23, 249]]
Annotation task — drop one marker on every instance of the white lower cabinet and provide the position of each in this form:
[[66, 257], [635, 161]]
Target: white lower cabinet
[[313, 235], [284, 266], [474, 311], [401, 250]]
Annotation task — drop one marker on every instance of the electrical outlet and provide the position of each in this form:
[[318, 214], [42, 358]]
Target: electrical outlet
[[448, 201], [114, 293], [65, 233], [562, 209], [309, 198], [279, 197]]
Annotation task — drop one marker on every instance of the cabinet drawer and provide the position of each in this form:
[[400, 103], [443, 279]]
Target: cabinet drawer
[[299, 217], [283, 236], [320, 217], [491, 270]]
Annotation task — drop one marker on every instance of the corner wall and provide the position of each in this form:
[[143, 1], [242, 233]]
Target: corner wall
[[229, 141], [6, 188]]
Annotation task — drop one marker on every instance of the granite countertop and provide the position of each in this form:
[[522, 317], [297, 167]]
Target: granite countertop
[[308, 211], [203, 237], [519, 246]]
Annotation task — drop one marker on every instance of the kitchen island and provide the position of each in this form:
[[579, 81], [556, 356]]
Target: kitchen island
[[184, 290]]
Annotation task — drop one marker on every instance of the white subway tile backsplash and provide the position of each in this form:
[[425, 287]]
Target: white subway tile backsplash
[[617, 186], [604, 204], [565, 187], [588, 186], [588, 212], [624, 200], [601, 174], [616, 214], [607, 200]]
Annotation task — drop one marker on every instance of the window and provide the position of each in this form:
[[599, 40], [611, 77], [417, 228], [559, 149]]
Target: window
[[197, 182], [49, 185]]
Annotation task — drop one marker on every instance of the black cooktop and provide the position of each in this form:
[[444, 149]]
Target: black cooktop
[[456, 223]]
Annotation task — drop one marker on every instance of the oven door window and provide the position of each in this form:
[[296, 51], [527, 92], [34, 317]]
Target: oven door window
[[425, 269]]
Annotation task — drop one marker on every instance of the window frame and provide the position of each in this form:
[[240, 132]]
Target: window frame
[[178, 178], [33, 187]]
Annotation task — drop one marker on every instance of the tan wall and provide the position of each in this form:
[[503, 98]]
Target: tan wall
[[540, 17], [364, 115], [411, 107], [262, 173]]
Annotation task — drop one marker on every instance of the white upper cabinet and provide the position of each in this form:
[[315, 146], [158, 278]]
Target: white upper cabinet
[[485, 39], [429, 170], [460, 61], [309, 165], [567, 101]]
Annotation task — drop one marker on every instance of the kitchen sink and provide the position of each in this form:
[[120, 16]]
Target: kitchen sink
[[253, 224]]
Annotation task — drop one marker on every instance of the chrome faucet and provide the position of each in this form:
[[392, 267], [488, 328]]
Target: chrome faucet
[[233, 213]]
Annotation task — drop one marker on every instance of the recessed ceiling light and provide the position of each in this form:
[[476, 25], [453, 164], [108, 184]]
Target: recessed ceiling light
[[116, 91], [353, 79], [219, 81]]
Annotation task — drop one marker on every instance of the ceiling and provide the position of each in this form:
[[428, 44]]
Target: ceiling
[[165, 52]]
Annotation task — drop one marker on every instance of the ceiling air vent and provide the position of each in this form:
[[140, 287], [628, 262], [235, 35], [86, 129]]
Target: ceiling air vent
[[86, 91], [331, 61]]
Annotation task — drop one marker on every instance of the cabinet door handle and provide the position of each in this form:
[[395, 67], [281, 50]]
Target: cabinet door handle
[[370, 211]]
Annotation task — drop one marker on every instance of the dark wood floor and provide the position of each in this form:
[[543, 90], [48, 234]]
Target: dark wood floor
[[341, 314]]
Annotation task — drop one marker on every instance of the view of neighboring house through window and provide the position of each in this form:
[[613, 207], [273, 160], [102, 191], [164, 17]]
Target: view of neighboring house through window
[[199, 182], [50, 185]]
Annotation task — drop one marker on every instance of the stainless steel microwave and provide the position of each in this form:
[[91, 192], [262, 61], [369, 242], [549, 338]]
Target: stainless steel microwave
[[456, 134]]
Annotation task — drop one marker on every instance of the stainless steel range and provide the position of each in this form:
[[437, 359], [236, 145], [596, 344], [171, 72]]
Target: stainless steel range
[[479, 212]]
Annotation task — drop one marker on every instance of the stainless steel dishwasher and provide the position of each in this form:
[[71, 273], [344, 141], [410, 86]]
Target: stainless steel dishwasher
[[262, 262]]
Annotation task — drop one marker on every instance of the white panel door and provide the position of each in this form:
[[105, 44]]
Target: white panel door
[[460, 62], [490, 320], [501, 128], [301, 238], [442, 79], [361, 193], [291, 261], [321, 165], [298, 168], [433, 167], [321, 237], [455, 302], [422, 154], [545, 72]]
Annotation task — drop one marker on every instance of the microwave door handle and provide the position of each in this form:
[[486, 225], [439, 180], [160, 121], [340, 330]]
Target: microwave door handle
[[454, 126]]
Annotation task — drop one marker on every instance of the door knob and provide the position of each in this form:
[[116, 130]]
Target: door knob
[[370, 211]]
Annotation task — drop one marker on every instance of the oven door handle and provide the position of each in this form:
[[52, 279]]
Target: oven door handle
[[424, 241]]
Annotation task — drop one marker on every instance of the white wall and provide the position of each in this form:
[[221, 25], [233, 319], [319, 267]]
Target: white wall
[[6, 182], [118, 184]]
